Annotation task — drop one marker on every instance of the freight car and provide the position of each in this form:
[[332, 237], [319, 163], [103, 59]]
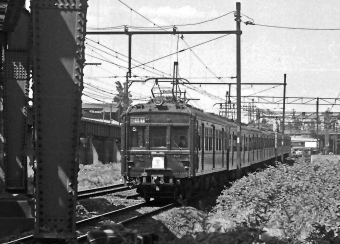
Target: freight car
[[170, 149]]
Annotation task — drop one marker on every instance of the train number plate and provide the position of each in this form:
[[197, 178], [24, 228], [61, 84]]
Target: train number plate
[[158, 162]]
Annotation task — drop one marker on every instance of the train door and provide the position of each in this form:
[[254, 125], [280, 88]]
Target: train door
[[233, 144], [244, 149], [249, 149], [213, 145], [227, 146], [222, 147], [253, 148], [202, 145], [257, 147]]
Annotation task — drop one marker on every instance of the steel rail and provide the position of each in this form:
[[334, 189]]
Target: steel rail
[[100, 188], [135, 218], [30, 238], [99, 192]]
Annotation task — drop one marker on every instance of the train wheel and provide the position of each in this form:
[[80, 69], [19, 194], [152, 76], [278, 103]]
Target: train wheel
[[147, 199], [214, 182], [220, 180], [238, 173], [206, 183]]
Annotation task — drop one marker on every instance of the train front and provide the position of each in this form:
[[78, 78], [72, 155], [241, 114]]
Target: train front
[[158, 150]]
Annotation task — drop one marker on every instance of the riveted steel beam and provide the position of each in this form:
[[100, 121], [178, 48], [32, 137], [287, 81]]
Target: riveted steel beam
[[16, 76], [58, 42], [12, 14]]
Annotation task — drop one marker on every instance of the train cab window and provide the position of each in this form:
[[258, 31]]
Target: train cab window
[[158, 137], [137, 137], [179, 137]]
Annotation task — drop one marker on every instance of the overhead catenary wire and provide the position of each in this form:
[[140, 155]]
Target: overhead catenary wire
[[164, 29], [150, 71], [105, 60], [98, 96], [182, 50], [102, 90], [252, 22], [93, 98], [98, 43], [159, 27]]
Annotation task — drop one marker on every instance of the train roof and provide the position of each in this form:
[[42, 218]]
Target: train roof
[[181, 107]]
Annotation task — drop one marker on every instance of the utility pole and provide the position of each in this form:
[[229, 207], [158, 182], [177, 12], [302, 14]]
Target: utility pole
[[238, 87], [283, 115], [317, 125], [326, 121], [229, 101], [126, 92], [111, 113], [336, 139], [226, 104]]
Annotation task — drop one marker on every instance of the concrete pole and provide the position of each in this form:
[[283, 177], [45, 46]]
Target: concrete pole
[[238, 67], [317, 125], [283, 116]]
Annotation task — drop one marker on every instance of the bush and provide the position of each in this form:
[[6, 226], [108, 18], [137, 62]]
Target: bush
[[289, 201], [97, 175]]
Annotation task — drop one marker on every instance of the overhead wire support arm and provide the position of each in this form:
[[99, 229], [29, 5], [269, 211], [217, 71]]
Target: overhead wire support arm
[[173, 32]]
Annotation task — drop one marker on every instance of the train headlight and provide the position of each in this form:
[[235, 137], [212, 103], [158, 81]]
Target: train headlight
[[130, 164], [178, 181]]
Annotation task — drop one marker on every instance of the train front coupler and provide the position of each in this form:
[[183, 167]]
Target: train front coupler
[[131, 182]]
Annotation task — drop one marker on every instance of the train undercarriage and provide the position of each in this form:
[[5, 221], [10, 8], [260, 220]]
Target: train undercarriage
[[160, 187]]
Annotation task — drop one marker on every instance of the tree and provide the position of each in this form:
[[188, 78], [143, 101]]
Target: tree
[[121, 98]]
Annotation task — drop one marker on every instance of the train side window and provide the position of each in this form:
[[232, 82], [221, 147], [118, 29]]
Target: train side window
[[199, 136], [206, 141], [245, 141], [137, 137], [220, 141], [216, 139], [250, 144], [235, 143], [210, 139]]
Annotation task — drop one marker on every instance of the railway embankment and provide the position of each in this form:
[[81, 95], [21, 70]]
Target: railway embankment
[[296, 203], [292, 204]]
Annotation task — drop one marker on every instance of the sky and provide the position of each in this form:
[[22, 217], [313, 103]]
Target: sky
[[309, 58]]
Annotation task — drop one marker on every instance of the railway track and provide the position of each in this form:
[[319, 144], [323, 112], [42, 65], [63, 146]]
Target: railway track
[[82, 237], [102, 191]]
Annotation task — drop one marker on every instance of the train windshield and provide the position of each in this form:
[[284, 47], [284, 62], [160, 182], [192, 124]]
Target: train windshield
[[179, 137], [158, 137]]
